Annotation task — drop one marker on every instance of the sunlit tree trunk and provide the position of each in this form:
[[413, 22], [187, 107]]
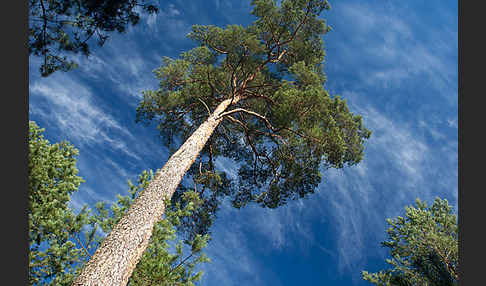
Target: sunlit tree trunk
[[116, 258]]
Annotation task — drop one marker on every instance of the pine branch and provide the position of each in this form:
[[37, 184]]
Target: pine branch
[[84, 248], [257, 154], [298, 28], [216, 49], [205, 105], [269, 125], [44, 28], [180, 263]]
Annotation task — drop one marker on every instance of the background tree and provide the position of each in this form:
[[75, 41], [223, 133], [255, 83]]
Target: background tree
[[61, 27], [60, 242], [423, 246], [254, 95], [158, 266], [52, 179]]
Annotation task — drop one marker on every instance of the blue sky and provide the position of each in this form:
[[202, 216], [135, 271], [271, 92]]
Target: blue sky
[[395, 62]]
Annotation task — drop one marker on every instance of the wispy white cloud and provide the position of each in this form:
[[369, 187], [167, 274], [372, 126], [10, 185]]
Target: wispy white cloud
[[224, 263], [126, 71], [105, 179], [96, 196], [86, 196], [452, 122], [71, 107], [386, 47], [172, 11], [152, 21], [398, 142], [403, 159], [169, 21], [120, 170], [399, 166], [357, 200]]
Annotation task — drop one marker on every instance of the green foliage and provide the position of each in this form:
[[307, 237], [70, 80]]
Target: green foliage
[[61, 27], [158, 266], [52, 179], [423, 246], [211, 187], [60, 242], [285, 125]]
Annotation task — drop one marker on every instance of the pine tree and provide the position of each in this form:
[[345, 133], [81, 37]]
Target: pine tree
[[254, 95], [60, 242], [158, 266], [52, 179], [58, 28], [423, 246]]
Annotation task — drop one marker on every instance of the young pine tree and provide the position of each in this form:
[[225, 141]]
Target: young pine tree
[[60, 241], [52, 179], [252, 94], [158, 266], [423, 246]]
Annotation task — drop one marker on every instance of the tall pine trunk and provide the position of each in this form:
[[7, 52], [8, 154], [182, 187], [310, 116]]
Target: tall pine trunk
[[115, 259]]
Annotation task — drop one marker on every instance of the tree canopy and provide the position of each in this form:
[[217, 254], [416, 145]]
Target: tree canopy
[[60, 241], [58, 28], [282, 125], [52, 179], [423, 246]]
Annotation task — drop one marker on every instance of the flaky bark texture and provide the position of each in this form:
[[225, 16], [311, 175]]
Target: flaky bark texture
[[116, 258]]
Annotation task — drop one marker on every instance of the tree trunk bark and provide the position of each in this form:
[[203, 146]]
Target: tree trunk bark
[[115, 259]]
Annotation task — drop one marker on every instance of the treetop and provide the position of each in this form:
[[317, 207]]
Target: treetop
[[282, 123]]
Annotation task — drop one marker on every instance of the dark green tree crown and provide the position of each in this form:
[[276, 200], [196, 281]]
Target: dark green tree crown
[[52, 179], [282, 124], [61, 27], [423, 246]]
